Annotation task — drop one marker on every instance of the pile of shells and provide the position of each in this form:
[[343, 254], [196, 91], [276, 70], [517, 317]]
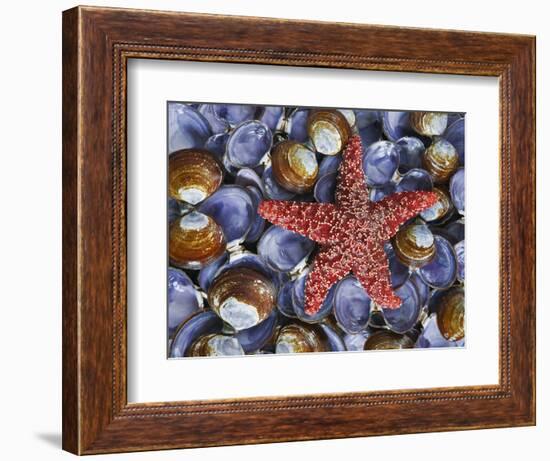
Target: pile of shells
[[236, 283]]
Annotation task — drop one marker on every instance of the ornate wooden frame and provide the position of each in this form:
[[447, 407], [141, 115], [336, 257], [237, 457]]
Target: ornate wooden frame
[[97, 43]]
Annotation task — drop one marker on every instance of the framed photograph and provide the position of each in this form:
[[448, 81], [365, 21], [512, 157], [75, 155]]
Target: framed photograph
[[331, 234]]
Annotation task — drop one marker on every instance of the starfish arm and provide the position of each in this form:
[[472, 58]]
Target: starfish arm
[[373, 272], [351, 187], [400, 207], [312, 220], [329, 267]]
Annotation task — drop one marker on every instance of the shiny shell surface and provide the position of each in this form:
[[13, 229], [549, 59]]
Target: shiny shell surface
[[414, 245], [450, 316], [329, 131], [194, 174], [429, 123], [441, 160], [297, 338], [294, 166]]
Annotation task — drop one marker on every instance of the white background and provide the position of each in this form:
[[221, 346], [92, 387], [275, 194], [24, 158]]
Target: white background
[[30, 248], [152, 378]]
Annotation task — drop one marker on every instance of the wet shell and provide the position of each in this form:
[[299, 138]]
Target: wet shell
[[428, 123], [329, 131], [193, 175], [450, 317], [414, 245], [297, 338], [215, 345], [441, 160], [195, 241], [294, 166], [441, 210], [242, 297], [386, 339], [200, 324]]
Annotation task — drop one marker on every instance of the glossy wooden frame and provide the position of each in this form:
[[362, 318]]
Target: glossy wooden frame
[[97, 44]]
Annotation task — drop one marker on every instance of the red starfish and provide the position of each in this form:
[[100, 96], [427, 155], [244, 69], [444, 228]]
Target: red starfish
[[351, 232]]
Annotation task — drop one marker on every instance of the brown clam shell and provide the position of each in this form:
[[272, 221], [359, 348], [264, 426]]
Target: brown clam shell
[[386, 339], [242, 297], [442, 209], [450, 315], [215, 345], [193, 175], [294, 166], [299, 337], [429, 123], [441, 160], [194, 241], [414, 245], [329, 131]]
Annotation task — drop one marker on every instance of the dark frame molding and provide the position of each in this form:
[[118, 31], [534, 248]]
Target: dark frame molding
[[97, 43]]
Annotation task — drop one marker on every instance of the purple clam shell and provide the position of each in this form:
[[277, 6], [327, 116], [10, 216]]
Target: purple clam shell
[[218, 125], [396, 125], [403, 318], [249, 177], [282, 249], [325, 188], [455, 135], [298, 301], [432, 337], [356, 341], [258, 224], [183, 299], [411, 150], [254, 338], [455, 231], [232, 208], [273, 189], [297, 125], [252, 261], [329, 164], [378, 193], [216, 144], [187, 128], [369, 126], [284, 300], [272, 116], [352, 305], [416, 179], [208, 273], [441, 271], [399, 273], [460, 260], [203, 323], [174, 209], [380, 162], [248, 144], [422, 288], [235, 113], [334, 340], [456, 189]]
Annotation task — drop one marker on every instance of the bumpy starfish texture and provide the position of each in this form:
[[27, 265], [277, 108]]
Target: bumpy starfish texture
[[351, 232]]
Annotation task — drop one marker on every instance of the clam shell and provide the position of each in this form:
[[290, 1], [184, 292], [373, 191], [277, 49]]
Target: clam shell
[[404, 318], [215, 345], [396, 125], [380, 162], [428, 123], [233, 209], [414, 245], [284, 300], [352, 305], [284, 250], [411, 150], [258, 224], [441, 271], [218, 125], [329, 131], [415, 179], [455, 135], [297, 337], [248, 144], [208, 272], [460, 259], [369, 126], [294, 166], [334, 341], [456, 190], [256, 337], [195, 240], [200, 324], [441, 210], [432, 337], [298, 301], [273, 189], [216, 144], [187, 128], [356, 341], [272, 116], [450, 316], [297, 125], [183, 299], [378, 193], [399, 272], [329, 164], [441, 160], [386, 339], [242, 297], [193, 175], [325, 188], [234, 114]]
